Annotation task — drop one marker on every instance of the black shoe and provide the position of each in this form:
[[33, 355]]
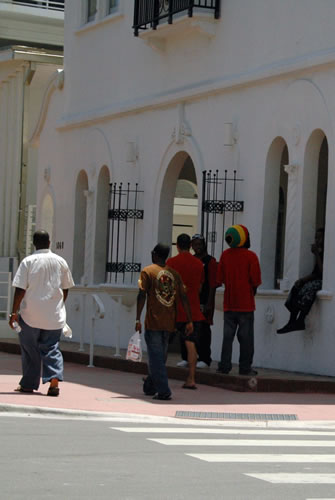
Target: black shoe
[[285, 329], [292, 327], [150, 393], [249, 372], [220, 370], [163, 397]]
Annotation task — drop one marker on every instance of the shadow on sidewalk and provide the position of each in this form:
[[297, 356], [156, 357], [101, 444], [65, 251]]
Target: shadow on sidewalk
[[125, 386]]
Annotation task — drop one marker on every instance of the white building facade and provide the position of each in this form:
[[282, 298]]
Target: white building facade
[[243, 90], [31, 49]]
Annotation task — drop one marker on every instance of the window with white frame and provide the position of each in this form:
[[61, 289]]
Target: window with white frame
[[91, 10]]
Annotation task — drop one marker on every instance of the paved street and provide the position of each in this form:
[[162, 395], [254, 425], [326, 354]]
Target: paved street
[[60, 458], [102, 438]]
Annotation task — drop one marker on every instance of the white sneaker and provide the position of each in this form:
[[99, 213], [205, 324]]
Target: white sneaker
[[202, 364], [182, 363]]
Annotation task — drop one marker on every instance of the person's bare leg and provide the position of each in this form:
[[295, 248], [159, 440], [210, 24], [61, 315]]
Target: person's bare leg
[[192, 357]]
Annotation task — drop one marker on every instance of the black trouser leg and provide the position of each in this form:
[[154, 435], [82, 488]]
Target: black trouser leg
[[229, 329], [245, 336], [204, 343]]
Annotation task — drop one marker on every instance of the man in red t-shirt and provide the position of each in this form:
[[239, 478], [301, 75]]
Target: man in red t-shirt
[[192, 273], [240, 273]]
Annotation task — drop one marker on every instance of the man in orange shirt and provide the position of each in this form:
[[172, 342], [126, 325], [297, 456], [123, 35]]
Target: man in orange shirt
[[240, 273], [192, 273]]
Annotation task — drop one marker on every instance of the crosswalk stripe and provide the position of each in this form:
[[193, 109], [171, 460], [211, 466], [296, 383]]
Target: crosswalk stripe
[[242, 442], [294, 478], [206, 430], [267, 458]]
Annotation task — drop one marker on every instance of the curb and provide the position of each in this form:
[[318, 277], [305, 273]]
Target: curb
[[56, 413], [229, 382]]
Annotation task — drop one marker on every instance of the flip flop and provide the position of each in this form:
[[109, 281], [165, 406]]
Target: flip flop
[[22, 389], [191, 387]]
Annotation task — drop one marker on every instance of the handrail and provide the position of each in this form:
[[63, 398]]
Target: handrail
[[99, 303], [149, 13]]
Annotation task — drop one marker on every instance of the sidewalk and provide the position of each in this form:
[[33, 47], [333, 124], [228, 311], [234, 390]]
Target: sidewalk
[[266, 381], [110, 391]]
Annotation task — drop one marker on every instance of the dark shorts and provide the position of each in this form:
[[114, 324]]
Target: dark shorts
[[194, 337]]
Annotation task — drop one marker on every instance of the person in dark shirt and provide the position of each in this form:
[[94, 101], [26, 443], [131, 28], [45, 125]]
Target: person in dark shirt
[[161, 288], [207, 300], [302, 294]]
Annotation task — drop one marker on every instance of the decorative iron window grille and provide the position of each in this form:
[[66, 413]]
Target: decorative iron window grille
[[149, 13], [218, 198], [123, 218]]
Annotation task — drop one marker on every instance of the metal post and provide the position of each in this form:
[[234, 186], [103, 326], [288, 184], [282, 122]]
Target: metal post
[[136, 10], [190, 8], [9, 293], [170, 17], [91, 365], [117, 338], [217, 13], [81, 337]]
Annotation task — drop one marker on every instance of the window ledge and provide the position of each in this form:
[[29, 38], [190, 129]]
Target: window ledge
[[92, 25], [279, 294], [200, 23]]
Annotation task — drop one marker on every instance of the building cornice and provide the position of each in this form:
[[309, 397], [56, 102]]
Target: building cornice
[[200, 90], [31, 54]]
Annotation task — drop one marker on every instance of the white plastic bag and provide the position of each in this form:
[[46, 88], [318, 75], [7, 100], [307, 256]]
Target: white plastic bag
[[134, 352], [67, 332]]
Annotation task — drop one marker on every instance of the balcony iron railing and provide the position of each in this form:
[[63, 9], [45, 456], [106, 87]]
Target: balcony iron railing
[[149, 13], [45, 4]]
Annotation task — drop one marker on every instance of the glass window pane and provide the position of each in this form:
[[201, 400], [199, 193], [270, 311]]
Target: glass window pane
[[91, 9], [113, 5]]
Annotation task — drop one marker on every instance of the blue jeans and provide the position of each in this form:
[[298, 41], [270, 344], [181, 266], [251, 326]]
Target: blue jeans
[[157, 345], [243, 324], [39, 347]]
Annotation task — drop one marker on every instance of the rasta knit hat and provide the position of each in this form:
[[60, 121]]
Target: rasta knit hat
[[236, 236]]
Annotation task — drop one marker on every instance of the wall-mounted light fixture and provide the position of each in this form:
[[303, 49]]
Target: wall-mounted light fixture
[[229, 138], [131, 152]]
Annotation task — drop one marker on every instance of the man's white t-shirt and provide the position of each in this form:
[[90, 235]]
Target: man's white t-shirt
[[43, 275]]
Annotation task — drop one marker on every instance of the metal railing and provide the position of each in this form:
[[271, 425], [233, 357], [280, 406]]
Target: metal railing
[[149, 13], [45, 4], [5, 290]]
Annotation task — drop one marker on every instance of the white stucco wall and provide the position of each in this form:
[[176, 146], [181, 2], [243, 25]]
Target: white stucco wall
[[265, 68]]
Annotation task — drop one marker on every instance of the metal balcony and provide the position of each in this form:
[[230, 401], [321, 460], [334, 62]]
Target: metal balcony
[[150, 13], [45, 4]]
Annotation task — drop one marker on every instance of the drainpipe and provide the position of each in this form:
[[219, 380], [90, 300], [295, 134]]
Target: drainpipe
[[29, 75]]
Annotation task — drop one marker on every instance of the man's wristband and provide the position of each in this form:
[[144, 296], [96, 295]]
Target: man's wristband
[[12, 314], [137, 321]]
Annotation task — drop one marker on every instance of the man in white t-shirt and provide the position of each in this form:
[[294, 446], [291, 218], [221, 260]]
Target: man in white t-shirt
[[41, 287]]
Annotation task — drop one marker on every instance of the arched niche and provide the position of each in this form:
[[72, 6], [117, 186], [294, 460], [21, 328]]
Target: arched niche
[[80, 227], [274, 214], [178, 208], [101, 226], [314, 195]]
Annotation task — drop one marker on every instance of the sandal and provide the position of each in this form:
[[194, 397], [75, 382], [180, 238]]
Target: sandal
[[53, 391], [22, 389], [191, 387]]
